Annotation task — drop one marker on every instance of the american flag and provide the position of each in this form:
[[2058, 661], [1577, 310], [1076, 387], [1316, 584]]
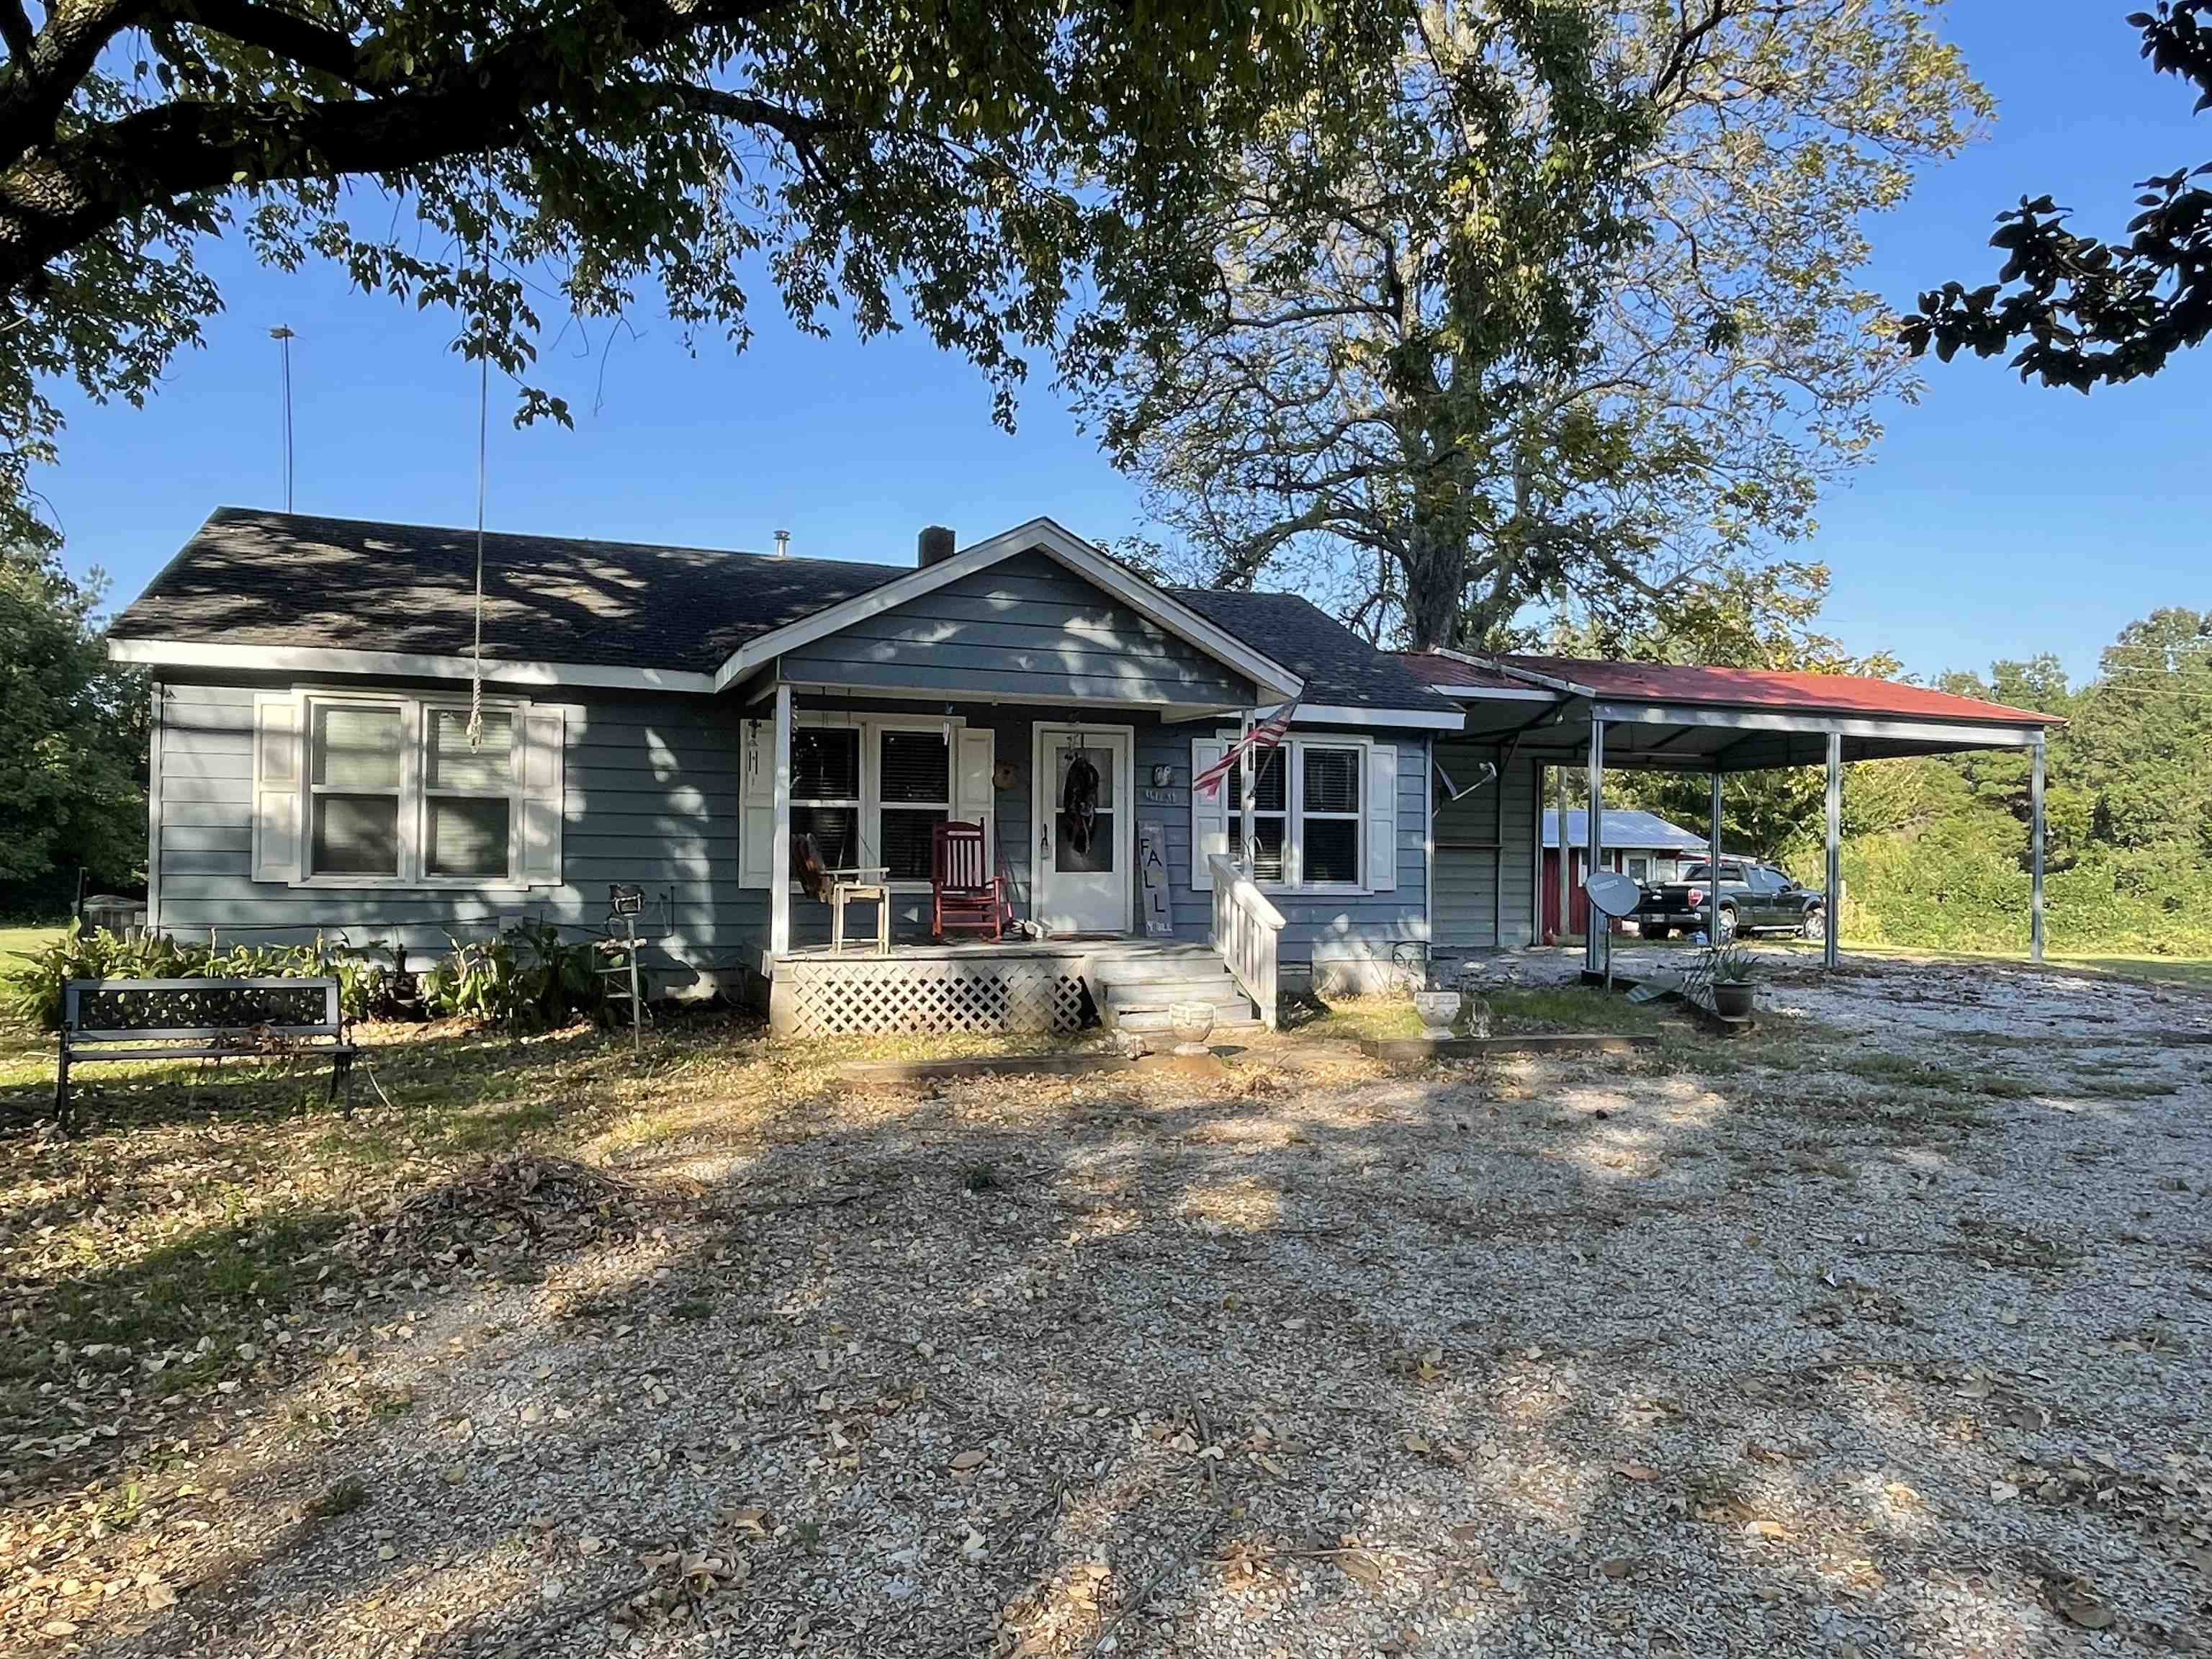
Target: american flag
[[1264, 734]]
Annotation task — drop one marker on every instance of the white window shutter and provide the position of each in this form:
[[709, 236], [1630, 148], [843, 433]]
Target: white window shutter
[[1382, 817], [973, 799], [756, 803], [1209, 817], [279, 784], [543, 767]]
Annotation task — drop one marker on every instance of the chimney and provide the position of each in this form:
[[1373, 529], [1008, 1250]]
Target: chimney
[[783, 544], [933, 546]]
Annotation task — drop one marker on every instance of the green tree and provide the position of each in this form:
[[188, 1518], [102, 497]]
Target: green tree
[[2091, 312], [72, 742], [1011, 174], [1748, 616], [1571, 321]]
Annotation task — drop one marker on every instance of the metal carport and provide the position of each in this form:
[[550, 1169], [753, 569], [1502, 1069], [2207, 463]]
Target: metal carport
[[1717, 721]]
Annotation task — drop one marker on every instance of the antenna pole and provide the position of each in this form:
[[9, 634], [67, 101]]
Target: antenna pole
[[283, 335]]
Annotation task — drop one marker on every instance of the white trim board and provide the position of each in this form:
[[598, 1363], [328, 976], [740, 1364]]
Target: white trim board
[[1273, 680], [1397, 720], [397, 665], [1497, 693]]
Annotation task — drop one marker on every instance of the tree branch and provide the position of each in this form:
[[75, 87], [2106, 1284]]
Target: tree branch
[[57, 194], [16, 29], [283, 34]]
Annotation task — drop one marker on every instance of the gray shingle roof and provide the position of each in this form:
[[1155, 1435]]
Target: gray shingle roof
[[255, 578], [1337, 665]]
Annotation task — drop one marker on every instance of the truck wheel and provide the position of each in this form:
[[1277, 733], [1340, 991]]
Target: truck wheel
[[1815, 927], [1724, 927]]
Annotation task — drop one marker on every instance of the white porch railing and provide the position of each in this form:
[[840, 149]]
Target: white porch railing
[[1246, 929]]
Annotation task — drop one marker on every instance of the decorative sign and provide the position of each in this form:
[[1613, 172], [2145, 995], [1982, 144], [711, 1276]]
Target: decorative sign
[[1152, 863], [1152, 797]]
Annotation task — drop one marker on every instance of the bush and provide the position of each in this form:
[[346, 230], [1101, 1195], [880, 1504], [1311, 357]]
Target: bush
[[1961, 886], [526, 978], [33, 992]]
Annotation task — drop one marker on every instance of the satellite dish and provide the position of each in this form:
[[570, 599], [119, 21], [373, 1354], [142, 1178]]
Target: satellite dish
[[1613, 894]]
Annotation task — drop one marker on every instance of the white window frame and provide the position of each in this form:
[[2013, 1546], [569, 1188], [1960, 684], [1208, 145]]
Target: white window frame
[[1293, 748], [871, 726], [424, 708], [1358, 816], [413, 817]]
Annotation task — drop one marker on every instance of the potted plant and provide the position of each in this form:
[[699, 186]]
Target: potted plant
[[1736, 976]]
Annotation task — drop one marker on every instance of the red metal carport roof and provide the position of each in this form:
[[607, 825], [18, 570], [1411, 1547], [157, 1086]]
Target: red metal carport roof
[[1729, 688]]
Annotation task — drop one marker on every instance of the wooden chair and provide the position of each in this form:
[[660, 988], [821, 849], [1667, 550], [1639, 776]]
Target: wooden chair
[[963, 896]]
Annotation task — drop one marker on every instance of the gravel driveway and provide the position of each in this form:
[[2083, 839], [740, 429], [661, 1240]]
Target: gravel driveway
[[1882, 1332]]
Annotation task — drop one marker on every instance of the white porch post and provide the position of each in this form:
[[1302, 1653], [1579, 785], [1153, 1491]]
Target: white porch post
[[778, 868], [2035, 856], [1713, 864], [1247, 855], [1830, 935], [1597, 938]]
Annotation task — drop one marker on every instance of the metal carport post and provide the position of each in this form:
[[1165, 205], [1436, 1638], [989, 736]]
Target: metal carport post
[[2035, 854], [1834, 896], [1597, 941]]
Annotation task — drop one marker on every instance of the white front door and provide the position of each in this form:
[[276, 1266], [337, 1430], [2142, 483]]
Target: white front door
[[1083, 841]]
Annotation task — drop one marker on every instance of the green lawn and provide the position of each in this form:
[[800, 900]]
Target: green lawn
[[1513, 1009], [2170, 970], [16, 941]]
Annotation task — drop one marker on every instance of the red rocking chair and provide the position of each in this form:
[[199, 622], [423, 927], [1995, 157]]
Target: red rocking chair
[[964, 897]]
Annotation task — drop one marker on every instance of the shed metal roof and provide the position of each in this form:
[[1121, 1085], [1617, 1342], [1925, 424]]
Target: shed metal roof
[[1625, 828]]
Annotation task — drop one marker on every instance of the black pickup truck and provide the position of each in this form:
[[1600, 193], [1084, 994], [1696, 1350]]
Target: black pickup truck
[[1755, 898]]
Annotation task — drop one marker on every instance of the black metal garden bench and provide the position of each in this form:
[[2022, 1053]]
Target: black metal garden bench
[[216, 1019]]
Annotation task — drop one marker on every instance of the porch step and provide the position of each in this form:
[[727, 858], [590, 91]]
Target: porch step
[[1137, 993], [1160, 1020]]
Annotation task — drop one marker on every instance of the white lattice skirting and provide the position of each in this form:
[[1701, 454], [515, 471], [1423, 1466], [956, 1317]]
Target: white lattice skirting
[[872, 996]]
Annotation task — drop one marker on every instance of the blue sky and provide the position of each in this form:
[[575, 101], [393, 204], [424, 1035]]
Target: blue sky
[[1998, 520]]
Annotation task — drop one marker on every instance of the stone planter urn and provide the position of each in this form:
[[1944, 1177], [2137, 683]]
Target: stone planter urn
[[1437, 1010], [1192, 1023]]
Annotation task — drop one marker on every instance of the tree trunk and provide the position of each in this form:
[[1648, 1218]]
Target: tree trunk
[[1436, 575]]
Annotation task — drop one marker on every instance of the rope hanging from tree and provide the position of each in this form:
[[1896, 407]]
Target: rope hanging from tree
[[484, 408]]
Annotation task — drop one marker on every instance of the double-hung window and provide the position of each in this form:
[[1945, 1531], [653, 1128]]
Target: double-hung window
[[468, 795], [825, 792], [913, 791], [391, 792], [1308, 822], [356, 766], [871, 790], [1329, 815]]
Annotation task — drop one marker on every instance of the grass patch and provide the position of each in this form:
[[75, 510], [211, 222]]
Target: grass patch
[[194, 1296], [26, 941], [1886, 1065], [339, 1497], [1514, 1010], [2104, 1085], [2194, 971]]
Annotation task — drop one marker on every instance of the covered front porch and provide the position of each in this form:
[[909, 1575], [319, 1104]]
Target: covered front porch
[[1039, 984]]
